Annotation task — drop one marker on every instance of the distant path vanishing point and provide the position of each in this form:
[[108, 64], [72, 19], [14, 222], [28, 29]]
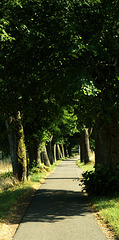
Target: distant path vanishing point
[[59, 210]]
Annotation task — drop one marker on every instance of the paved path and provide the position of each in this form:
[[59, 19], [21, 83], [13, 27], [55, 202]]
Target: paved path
[[59, 211]]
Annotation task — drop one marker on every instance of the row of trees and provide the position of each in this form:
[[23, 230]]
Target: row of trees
[[59, 76]]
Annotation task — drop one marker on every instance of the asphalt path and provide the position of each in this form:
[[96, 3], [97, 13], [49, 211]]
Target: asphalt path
[[59, 210]]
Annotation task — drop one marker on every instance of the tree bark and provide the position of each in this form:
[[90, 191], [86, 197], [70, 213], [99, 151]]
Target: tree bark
[[39, 154], [45, 157], [82, 151], [55, 154], [49, 150], [17, 147], [34, 152], [21, 150], [63, 153], [85, 146], [107, 145], [59, 154]]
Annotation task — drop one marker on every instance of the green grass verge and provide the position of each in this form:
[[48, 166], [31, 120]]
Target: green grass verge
[[85, 167], [107, 207], [11, 196], [108, 210]]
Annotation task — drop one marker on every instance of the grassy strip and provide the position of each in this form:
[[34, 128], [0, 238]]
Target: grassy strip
[[106, 207], [85, 167], [12, 195], [108, 211]]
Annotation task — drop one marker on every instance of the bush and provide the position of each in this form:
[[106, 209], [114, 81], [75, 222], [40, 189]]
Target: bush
[[102, 182], [34, 168]]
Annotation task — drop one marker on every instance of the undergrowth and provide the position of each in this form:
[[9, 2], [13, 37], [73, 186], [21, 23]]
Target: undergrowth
[[101, 182], [102, 187]]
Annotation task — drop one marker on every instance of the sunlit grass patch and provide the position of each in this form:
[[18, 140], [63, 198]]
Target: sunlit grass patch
[[107, 207], [108, 210], [5, 166], [10, 197], [86, 167]]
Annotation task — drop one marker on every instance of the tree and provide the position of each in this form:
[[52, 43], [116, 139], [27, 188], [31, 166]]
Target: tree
[[31, 56], [85, 146], [65, 52], [96, 50]]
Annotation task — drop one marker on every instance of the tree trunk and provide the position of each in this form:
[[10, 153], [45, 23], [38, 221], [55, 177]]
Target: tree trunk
[[65, 150], [82, 151], [34, 152], [17, 147], [85, 146], [21, 150], [59, 154], [69, 150], [39, 154], [12, 145], [49, 150], [107, 145], [63, 153], [45, 157], [55, 156]]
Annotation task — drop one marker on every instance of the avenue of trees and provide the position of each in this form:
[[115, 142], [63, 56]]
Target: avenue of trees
[[59, 80]]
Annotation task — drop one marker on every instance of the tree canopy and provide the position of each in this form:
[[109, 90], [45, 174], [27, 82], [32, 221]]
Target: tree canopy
[[59, 55]]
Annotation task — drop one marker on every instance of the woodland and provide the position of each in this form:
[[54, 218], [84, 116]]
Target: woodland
[[59, 81]]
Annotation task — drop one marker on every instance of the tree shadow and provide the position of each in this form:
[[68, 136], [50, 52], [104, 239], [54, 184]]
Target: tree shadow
[[55, 205]]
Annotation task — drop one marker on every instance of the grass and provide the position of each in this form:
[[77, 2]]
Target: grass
[[86, 167], [15, 198], [11, 196], [108, 211], [5, 165], [106, 207]]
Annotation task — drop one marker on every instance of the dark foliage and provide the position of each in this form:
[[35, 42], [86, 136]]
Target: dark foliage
[[102, 182]]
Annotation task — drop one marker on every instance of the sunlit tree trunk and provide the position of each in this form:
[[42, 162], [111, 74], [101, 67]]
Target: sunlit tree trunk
[[38, 160], [107, 145], [21, 150], [59, 154], [55, 154], [63, 153], [45, 157]]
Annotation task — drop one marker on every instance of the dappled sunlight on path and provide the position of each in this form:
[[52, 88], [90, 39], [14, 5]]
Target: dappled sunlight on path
[[60, 210]]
